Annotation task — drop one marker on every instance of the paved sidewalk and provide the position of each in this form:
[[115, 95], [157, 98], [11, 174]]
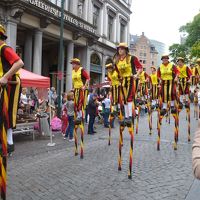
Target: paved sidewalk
[[38, 172]]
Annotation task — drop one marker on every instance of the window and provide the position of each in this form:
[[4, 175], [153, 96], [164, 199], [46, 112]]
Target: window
[[95, 59], [110, 27], [57, 2], [144, 54], [96, 12], [144, 62], [122, 33]]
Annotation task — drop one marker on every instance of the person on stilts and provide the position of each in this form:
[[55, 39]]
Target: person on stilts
[[129, 69], [168, 75]]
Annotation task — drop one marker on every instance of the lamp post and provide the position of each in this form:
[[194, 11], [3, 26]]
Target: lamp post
[[60, 60]]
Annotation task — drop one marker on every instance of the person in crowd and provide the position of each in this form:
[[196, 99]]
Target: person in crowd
[[129, 69], [86, 109], [80, 81], [33, 100], [198, 71], [184, 81], [106, 103], [92, 111], [70, 114], [168, 75], [153, 87], [196, 153], [24, 100], [10, 63]]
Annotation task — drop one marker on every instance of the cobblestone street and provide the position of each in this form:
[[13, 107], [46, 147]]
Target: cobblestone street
[[39, 172]]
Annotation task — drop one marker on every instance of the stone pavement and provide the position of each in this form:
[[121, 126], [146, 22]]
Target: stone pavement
[[38, 172]]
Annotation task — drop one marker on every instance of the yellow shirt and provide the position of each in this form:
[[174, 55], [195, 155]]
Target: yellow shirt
[[166, 71], [113, 76], [124, 68], [183, 71], [142, 77], [193, 71], [154, 79], [77, 79]]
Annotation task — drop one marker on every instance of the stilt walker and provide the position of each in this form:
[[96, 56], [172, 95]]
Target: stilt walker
[[129, 69], [143, 94], [184, 80], [113, 77], [153, 95], [167, 74], [80, 81], [10, 63]]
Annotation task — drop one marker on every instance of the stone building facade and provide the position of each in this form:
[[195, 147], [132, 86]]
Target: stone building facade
[[92, 29]]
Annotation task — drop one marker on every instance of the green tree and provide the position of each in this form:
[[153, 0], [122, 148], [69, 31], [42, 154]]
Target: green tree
[[178, 50], [191, 48]]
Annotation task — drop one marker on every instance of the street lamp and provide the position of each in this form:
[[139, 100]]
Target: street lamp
[[60, 60]]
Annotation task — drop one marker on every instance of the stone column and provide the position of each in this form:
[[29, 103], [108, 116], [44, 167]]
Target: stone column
[[90, 12], [37, 52], [118, 28], [73, 7], [11, 32], [85, 10], [70, 55], [28, 51], [101, 21], [105, 20], [127, 33], [103, 68], [115, 30], [67, 4]]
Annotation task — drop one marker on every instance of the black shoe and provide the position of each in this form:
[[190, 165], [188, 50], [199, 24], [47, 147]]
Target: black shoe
[[77, 121], [122, 122], [173, 110], [187, 105], [152, 107], [180, 106], [11, 148], [128, 121], [163, 112], [90, 133], [94, 132]]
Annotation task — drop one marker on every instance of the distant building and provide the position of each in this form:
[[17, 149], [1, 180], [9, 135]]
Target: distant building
[[141, 47], [92, 30], [160, 48]]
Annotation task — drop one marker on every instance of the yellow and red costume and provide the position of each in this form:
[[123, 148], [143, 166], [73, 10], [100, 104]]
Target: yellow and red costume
[[113, 77], [166, 73], [143, 84], [184, 76], [7, 58], [79, 77], [154, 86]]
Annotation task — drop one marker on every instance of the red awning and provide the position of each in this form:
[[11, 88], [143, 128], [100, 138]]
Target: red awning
[[30, 79]]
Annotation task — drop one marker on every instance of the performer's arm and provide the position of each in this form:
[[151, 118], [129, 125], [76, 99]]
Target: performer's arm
[[14, 61], [85, 75], [138, 67], [189, 74]]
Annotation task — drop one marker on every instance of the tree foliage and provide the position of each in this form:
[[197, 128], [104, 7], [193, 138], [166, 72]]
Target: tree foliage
[[191, 48]]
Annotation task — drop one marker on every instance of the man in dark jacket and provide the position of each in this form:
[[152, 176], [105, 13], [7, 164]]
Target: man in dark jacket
[[92, 111]]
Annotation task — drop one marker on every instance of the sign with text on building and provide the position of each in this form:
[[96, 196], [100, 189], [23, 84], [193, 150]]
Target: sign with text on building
[[56, 12]]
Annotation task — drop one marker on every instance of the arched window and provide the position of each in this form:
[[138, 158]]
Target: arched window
[[95, 59]]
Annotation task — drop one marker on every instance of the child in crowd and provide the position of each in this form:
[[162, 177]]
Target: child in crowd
[[70, 115]]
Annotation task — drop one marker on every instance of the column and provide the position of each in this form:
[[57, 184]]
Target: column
[[90, 13], [28, 51], [101, 21], [118, 28], [74, 7], [67, 5], [115, 29], [37, 52], [70, 55], [127, 39], [105, 20], [85, 10], [103, 68], [11, 32]]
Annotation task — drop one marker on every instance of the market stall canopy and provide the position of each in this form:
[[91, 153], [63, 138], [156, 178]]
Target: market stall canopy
[[30, 79]]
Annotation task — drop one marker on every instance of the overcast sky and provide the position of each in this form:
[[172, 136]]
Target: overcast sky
[[160, 20]]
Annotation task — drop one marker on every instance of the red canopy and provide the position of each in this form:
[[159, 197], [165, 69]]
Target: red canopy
[[30, 79]]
